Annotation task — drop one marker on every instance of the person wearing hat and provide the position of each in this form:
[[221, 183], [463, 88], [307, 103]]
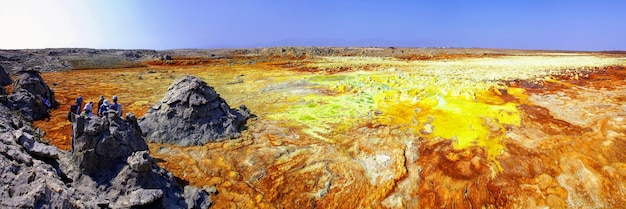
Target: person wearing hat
[[105, 107], [117, 107], [100, 101]]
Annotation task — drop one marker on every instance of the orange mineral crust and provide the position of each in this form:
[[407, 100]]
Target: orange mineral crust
[[418, 131]]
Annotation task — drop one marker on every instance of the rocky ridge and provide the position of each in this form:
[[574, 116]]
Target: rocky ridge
[[59, 59], [192, 113]]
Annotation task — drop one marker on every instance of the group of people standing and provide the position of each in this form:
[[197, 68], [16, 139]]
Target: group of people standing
[[87, 110]]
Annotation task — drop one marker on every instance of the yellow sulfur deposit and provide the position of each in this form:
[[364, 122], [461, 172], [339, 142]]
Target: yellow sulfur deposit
[[459, 110], [464, 120]]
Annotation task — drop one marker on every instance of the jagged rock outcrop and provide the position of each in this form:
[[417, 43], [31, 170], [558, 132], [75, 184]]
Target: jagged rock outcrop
[[30, 106], [192, 113], [102, 143], [109, 151], [31, 81], [112, 168], [31, 96], [29, 170]]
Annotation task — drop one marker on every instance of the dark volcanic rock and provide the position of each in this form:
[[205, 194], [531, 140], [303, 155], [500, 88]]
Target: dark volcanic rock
[[102, 143], [31, 81], [31, 96], [166, 57], [29, 171], [5, 79], [192, 113], [30, 106], [111, 153], [111, 169]]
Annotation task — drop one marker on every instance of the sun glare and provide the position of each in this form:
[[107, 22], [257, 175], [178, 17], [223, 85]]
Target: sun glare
[[46, 24]]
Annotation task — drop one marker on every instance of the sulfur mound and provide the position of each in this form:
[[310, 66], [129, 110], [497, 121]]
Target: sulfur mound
[[192, 113]]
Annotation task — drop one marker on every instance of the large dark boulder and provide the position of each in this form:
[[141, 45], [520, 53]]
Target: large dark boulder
[[31, 96], [29, 105], [31, 81], [192, 113]]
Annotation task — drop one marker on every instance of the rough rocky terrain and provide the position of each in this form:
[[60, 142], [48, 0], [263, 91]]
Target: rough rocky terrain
[[192, 113], [73, 58], [111, 166]]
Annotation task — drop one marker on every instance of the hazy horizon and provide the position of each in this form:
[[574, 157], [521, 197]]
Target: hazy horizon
[[118, 24]]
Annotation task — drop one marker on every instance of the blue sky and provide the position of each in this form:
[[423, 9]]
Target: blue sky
[[160, 24]]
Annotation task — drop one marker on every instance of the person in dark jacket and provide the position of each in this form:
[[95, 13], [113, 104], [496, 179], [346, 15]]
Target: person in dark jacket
[[100, 101], [117, 107], [79, 104]]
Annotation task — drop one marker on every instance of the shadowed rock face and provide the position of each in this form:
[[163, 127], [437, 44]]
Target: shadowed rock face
[[31, 96], [31, 81], [30, 106], [192, 113], [5, 80]]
